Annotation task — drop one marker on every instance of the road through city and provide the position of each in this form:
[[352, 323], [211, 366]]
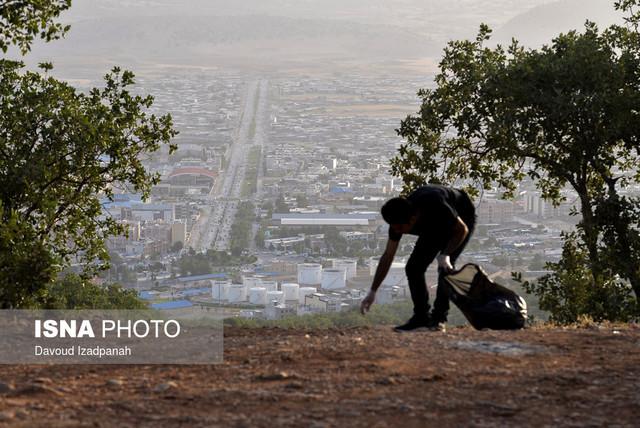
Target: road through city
[[213, 229]]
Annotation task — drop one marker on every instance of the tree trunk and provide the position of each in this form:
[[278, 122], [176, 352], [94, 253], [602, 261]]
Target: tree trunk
[[590, 229]]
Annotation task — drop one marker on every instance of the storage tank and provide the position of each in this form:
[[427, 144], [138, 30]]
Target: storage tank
[[396, 275], [305, 291], [290, 290], [269, 284], [333, 279], [250, 281], [349, 265], [220, 289], [258, 296], [237, 293], [275, 295], [309, 274]]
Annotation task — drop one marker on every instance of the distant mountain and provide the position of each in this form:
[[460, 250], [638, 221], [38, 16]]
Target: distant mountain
[[541, 24], [207, 39], [256, 33], [394, 12], [439, 19]]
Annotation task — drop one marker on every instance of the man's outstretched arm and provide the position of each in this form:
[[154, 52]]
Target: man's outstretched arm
[[381, 272]]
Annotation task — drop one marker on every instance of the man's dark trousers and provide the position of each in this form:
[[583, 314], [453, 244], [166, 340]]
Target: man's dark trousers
[[424, 252]]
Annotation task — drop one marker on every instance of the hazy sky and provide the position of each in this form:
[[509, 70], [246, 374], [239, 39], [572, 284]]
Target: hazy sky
[[255, 33]]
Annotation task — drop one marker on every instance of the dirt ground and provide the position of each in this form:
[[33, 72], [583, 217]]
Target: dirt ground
[[369, 377]]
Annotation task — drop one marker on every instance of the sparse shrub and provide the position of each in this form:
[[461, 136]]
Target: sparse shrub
[[73, 292], [572, 291], [391, 314]]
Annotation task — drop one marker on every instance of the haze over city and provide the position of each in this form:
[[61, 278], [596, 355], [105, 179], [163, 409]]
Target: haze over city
[[326, 213], [268, 36], [287, 112]]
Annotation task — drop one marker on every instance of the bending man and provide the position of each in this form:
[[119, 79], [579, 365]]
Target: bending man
[[443, 218]]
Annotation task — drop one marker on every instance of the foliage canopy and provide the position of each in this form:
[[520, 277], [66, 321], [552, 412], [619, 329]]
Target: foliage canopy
[[563, 116], [61, 152], [23, 20]]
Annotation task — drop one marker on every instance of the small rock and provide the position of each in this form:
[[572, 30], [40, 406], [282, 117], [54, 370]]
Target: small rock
[[406, 408], [44, 380], [286, 357], [386, 381], [165, 386], [294, 385], [21, 414], [36, 406], [432, 378], [6, 387], [276, 376], [36, 388], [115, 382], [7, 415]]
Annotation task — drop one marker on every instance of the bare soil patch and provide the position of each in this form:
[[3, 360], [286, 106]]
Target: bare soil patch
[[369, 377]]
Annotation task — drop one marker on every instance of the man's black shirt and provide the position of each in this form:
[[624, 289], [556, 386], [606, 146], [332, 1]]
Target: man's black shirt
[[437, 208]]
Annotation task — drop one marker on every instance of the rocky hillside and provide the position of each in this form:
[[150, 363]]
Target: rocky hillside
[[353, 377]]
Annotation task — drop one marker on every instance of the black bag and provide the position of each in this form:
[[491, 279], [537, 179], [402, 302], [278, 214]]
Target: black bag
[[483, 302]]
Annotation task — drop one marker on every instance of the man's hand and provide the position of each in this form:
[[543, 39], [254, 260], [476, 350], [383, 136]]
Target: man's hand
[[444, 263], [367, 302]]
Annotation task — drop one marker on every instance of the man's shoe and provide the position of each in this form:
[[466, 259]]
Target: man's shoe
[[436, 324], [414, 324]]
